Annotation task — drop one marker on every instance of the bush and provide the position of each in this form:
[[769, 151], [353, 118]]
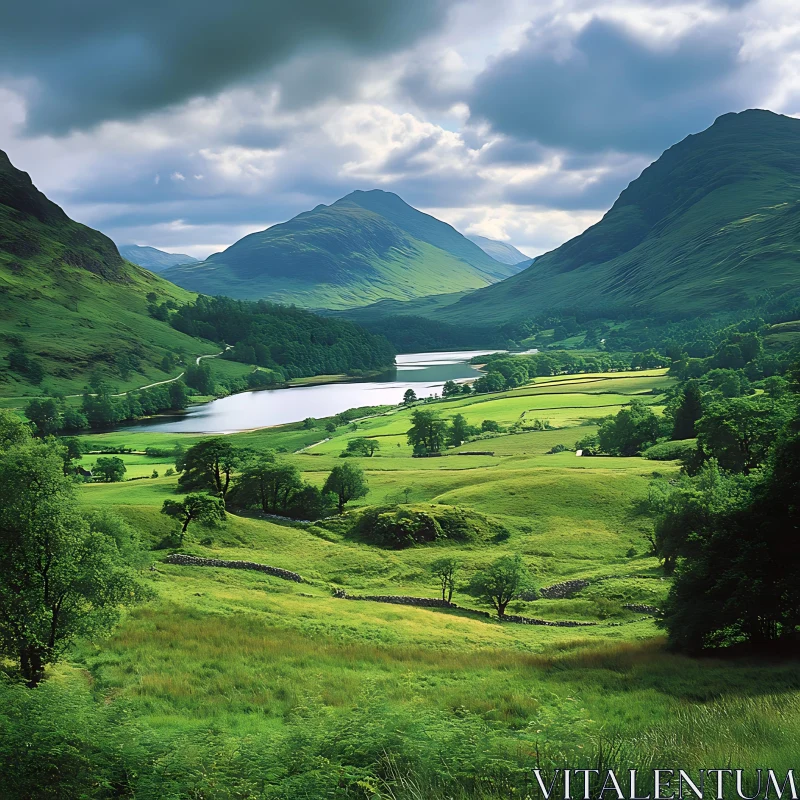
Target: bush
[[671, 451]]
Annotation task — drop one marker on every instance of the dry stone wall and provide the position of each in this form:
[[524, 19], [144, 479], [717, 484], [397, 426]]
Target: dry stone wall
[[195, 561]]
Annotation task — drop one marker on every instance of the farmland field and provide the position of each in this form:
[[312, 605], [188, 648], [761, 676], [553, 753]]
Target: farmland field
[[285, 683]]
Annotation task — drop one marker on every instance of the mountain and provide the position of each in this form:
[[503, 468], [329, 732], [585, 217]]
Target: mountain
[[366, 247], [153, 259], [70, 303], [713, 223], [500, 251]]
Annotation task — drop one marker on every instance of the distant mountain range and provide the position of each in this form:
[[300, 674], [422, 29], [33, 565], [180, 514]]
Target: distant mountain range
[[366, 247], [500, 251], [153, 259], [709, 226]]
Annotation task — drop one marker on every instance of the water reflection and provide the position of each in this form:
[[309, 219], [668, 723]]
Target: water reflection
[[425, 373]]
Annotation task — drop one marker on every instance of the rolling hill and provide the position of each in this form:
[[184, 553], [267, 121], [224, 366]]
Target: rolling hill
[[503, 252], [709, 226], [71, 304], [366, 247], [153, 259]]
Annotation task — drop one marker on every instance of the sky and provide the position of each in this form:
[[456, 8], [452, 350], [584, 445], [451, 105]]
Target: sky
[[187, 125]]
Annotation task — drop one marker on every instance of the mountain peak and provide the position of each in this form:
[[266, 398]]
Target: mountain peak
[[38, 228], [712, 223], [367, 246]]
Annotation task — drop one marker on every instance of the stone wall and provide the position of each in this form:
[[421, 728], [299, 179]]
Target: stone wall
[[548, 623], [559, 591], [642, 608], [435, 602], [194, 561], [403, 600]]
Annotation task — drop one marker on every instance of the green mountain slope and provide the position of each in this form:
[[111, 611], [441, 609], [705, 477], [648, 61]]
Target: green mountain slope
[[500, 251], [71, 303], [152, 258], [366, 247], [713, 223]]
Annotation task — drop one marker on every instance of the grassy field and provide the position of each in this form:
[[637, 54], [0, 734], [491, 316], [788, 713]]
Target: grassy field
[[455, 698]]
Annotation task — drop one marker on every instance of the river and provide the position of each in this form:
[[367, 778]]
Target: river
[[425, 373]]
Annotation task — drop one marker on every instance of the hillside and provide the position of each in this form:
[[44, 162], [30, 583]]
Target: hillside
[[71, 304], [152, 258], [500, 251], [710, 225], [366, 247]]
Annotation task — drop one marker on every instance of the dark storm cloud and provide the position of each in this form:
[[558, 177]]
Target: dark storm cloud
[[610, 91], [97, 60]]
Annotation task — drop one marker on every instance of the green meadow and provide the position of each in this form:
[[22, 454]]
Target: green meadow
[[237, 684]]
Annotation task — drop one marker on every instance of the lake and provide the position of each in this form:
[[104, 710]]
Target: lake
[[425, 373]]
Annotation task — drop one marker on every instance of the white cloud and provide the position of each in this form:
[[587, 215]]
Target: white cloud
[[245, 155]]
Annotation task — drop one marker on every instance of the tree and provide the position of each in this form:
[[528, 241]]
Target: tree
[[208, 466], [428, 432], [61, 577], [109, 469], [450, 389], [409, 397], [501, 582], [444, 569], [631, 430], [738, 581], [492, 382], [268, 485], [776, 386], [362, 447], [347, 482], [491, 426], [45, 414], [13, 430], [739, 432], [199, 377], [177, 395], [196, 506], [460, 430], [689, 410]]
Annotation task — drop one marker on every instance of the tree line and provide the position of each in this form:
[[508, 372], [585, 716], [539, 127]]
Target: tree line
[[285, 339]]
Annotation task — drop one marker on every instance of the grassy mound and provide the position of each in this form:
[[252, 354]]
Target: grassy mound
[[404, 526]]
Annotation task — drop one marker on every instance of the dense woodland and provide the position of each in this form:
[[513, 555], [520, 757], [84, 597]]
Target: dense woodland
[[285, 339]]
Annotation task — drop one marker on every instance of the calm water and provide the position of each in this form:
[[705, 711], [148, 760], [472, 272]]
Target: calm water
[[425, 373]]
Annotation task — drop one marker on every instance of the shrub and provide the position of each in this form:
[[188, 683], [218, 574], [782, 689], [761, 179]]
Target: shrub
[[670, 451]]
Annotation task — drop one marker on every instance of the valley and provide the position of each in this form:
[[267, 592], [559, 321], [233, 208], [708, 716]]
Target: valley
[[252, 667]]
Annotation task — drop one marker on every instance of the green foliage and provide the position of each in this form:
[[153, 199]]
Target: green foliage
[[460, 430], [361, 447], [13, 430], [739, 432], [445, 570], [428, 432], [267, 484], [633, 429], [409, 397], [286, 340], [504, 580], [671, 451], [61, 576], [347, 482], [208, 466], [738, 582], [688, 411], [109, 469], [198, 507], [198, 377]]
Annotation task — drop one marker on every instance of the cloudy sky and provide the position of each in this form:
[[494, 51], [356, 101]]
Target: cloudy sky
[[185, 125]]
